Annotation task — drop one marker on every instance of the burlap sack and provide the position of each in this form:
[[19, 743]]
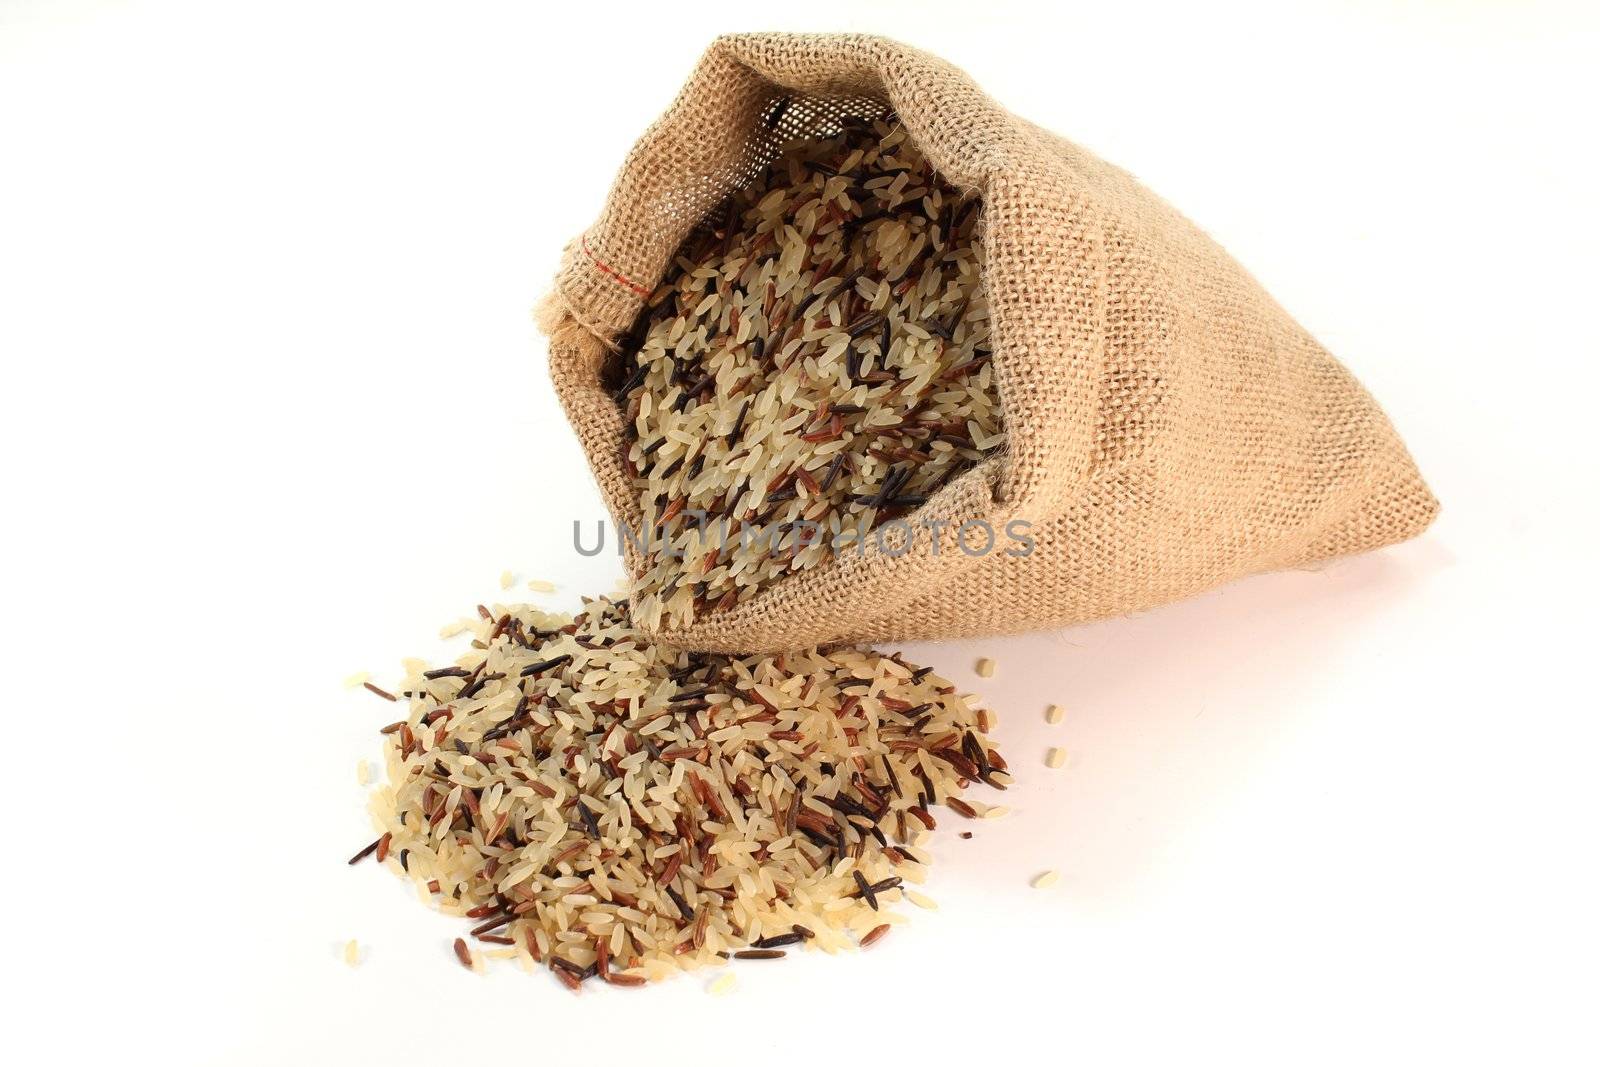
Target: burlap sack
[[1169, 426]]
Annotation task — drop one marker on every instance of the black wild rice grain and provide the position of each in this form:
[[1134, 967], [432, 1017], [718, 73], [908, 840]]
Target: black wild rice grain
[[779, 941], [864, 890], [364, 853]]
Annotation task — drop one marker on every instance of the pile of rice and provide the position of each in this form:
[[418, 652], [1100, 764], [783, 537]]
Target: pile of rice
[[818, 354], [611, 807]]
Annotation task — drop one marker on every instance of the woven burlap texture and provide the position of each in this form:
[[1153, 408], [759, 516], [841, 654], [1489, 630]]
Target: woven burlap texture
[[1169, 426]]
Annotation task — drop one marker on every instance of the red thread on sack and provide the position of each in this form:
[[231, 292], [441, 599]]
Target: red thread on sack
[[611, 272]]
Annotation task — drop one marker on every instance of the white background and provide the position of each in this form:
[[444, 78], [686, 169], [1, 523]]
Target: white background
[[274, 410]]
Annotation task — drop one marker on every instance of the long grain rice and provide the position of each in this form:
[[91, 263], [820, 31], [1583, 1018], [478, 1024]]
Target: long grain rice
[[594, 800], [815, 364]]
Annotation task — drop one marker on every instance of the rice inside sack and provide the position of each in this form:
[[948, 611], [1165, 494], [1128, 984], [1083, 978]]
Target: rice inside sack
[[610, 807], [812, 366]]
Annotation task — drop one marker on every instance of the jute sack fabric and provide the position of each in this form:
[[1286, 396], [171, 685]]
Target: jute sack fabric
[[1169, 426]]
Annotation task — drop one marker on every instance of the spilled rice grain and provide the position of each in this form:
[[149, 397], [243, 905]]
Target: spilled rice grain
[[593, 800]]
